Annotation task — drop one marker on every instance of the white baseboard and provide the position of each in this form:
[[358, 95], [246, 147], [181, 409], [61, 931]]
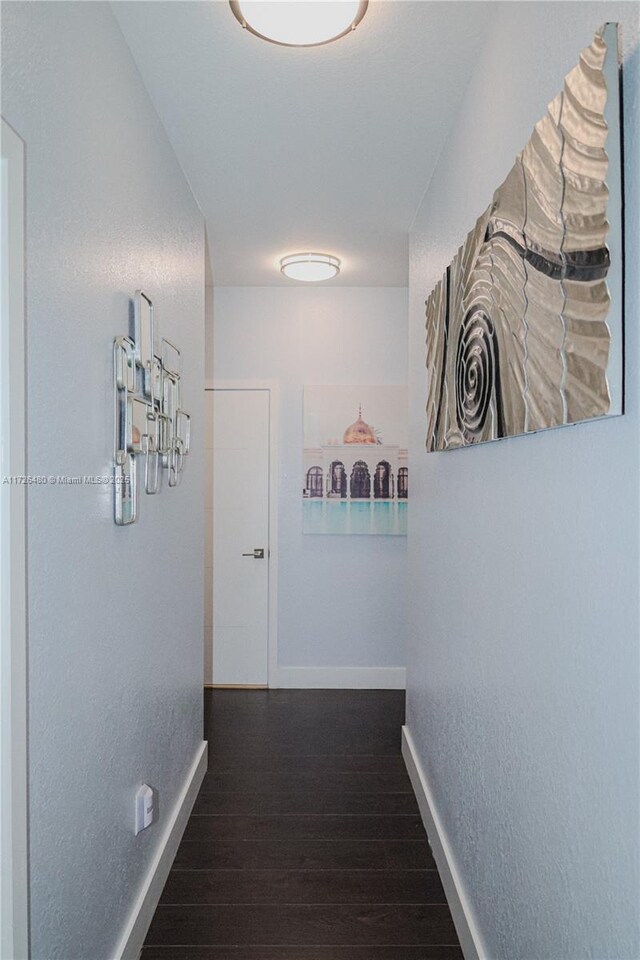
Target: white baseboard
[[144, 908], [461, 911], [340, 678]]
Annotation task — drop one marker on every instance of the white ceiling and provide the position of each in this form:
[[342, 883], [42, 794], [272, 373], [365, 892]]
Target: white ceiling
[[327, 148]]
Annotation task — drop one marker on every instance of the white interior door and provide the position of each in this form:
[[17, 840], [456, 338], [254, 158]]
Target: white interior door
[[240, 595]]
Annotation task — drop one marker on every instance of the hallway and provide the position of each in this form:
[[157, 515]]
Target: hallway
[[320, 393], [305, 842]]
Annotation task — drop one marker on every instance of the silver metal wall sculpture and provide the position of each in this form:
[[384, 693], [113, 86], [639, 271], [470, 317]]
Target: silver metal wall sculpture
[[150, 423], [524, 330]]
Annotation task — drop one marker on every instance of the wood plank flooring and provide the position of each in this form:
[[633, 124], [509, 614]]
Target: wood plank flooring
[[305, 842]]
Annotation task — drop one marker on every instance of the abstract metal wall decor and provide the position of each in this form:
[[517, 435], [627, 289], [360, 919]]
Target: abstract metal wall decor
[[149, 420], [524, 330]]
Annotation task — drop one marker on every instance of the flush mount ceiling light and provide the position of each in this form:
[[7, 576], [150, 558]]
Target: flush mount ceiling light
[[299, 23], [310, 267]]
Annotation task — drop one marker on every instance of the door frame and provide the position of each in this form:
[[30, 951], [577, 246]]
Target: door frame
[[14, 892], [272, 387]]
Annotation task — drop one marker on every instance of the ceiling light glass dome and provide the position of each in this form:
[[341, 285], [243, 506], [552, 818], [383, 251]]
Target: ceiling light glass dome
[[310, 267], [299, 23]]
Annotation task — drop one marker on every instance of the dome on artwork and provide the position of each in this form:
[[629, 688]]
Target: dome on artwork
[[359, 432]]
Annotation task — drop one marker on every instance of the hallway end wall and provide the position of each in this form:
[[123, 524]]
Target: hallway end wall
[[342, 599], [114, 613], [523, 563]]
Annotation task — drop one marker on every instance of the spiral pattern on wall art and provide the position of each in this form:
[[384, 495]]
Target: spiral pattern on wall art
[[524, 330], [476, 364]]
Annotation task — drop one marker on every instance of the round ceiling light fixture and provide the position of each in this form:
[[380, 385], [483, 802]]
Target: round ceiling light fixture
[[299, 23], [310, 267]]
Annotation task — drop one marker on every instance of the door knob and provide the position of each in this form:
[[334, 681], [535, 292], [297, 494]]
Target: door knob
[[257, 553]]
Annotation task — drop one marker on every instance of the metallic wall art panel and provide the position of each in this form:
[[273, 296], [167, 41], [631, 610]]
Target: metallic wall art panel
[[524, 330], [149, 420]]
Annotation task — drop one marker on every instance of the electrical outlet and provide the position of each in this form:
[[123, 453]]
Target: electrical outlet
[[144, 808]]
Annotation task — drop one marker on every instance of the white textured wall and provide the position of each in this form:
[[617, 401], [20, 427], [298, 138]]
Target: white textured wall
[[342, 600], [523, 558], [115, 614]]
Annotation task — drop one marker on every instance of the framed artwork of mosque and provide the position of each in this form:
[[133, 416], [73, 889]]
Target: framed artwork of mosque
[[355, 475]]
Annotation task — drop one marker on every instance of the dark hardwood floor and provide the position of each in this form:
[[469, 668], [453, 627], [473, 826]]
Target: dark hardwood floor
[[305, 842]]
